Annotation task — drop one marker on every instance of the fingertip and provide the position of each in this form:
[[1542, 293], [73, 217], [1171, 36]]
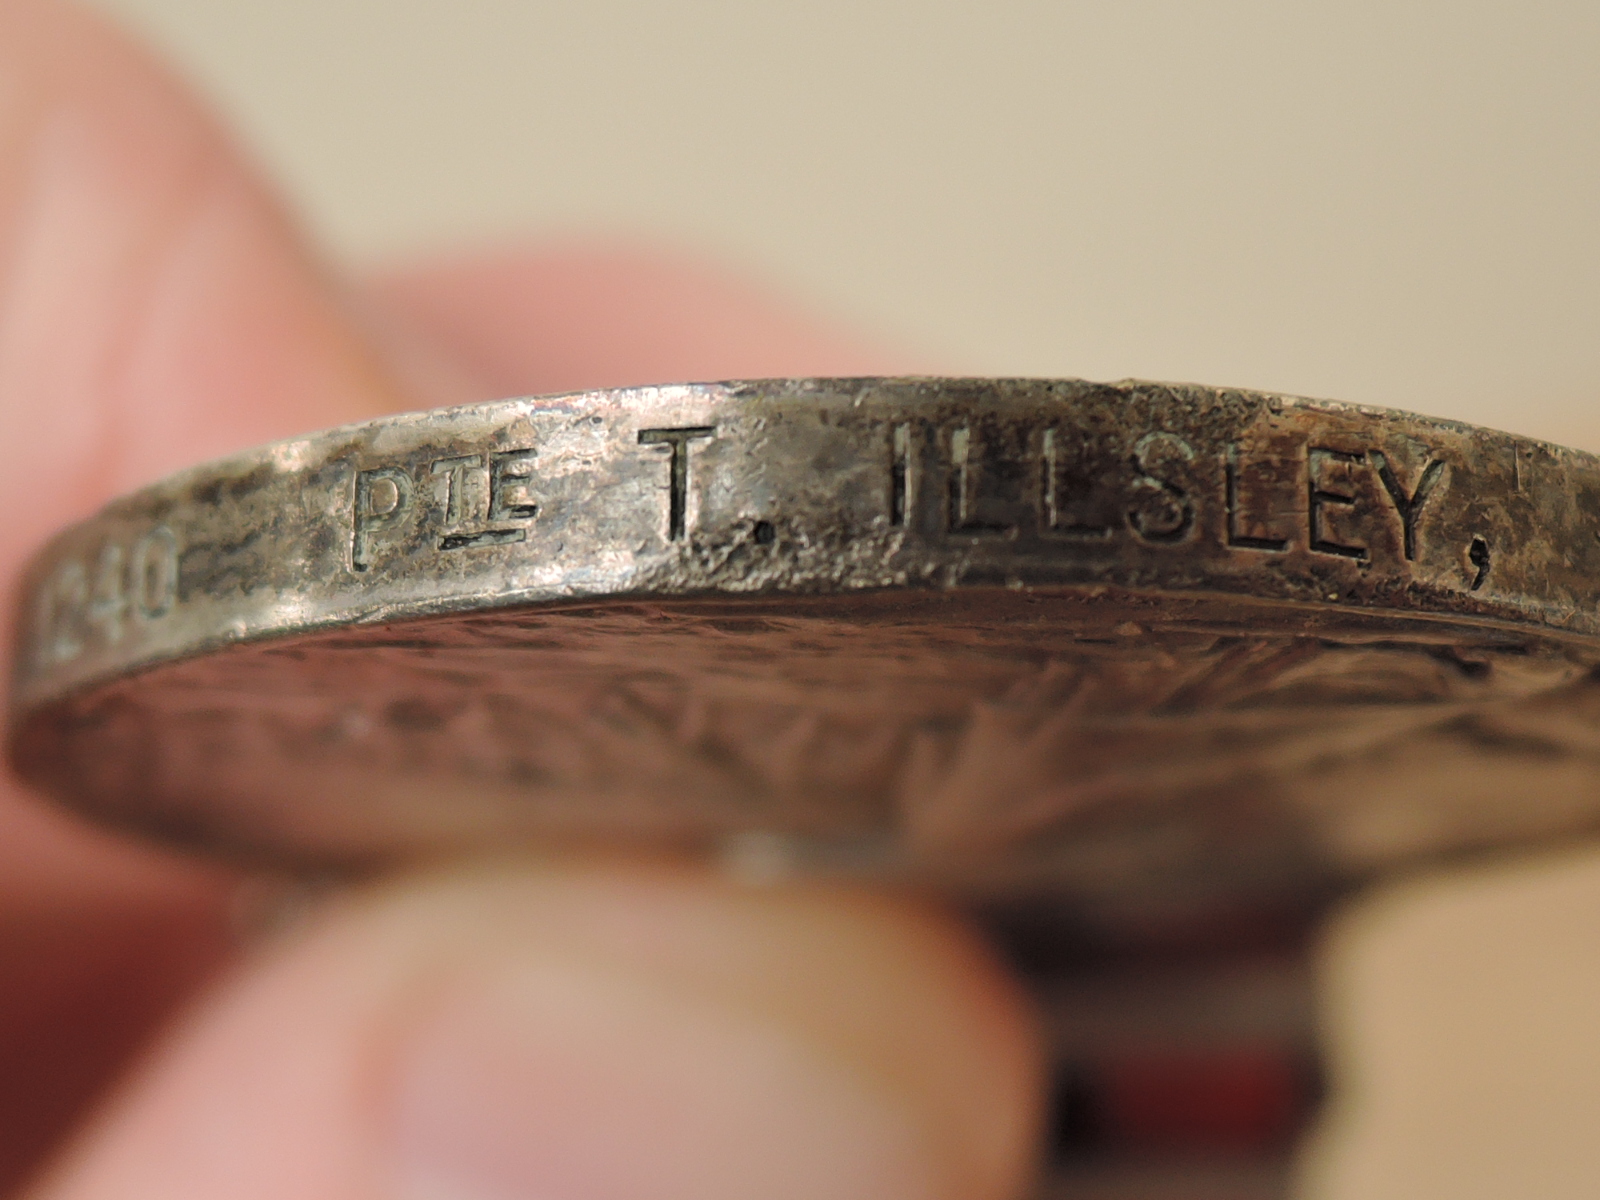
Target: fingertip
[[591, 1032], [900, 994]]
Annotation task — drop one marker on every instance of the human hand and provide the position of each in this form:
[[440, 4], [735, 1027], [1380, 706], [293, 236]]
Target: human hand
[[558, 1029]]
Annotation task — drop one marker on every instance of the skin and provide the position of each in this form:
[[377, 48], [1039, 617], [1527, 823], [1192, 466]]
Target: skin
[[574, 1030]]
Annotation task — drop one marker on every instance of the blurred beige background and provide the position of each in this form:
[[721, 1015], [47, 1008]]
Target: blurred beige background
[[1393, 203]]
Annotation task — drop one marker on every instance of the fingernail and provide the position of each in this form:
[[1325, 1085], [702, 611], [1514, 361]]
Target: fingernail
[[565, 1080]]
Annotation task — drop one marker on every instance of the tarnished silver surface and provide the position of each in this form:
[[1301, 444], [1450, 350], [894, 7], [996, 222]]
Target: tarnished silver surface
[[1100, 640]]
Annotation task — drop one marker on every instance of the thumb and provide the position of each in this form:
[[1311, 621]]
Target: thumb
[[586, 1033]]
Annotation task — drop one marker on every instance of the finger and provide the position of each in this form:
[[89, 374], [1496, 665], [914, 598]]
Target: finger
[[589, 1033], [155, 308], [530, 320]]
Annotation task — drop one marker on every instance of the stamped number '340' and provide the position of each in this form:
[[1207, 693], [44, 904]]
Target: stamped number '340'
[[87, 604]]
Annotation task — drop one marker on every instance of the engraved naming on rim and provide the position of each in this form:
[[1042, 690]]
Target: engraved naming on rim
[[1047, 482]]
